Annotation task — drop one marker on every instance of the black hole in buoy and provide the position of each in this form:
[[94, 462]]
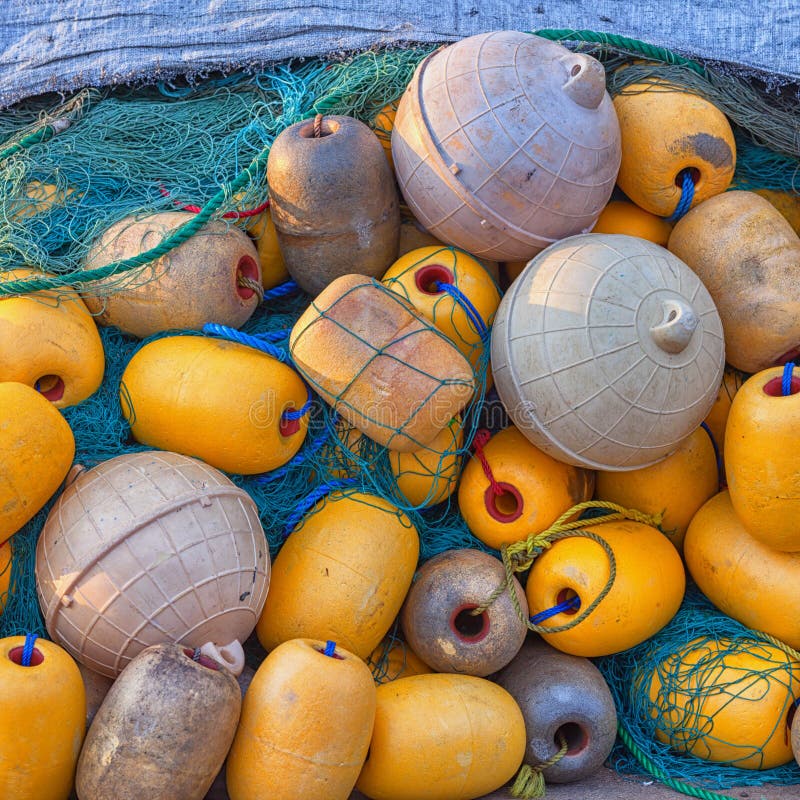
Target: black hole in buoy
[[774, 387], [695, 173], [50, 387], [505, 507], [575, 70], [672, 315], [467, 626], [427, 278], [575, 735], [246, 268], [202, 660], [15, 655], [566, 595]]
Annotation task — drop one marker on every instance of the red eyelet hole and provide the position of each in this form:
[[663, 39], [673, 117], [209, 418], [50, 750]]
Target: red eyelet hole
[[774, 387], [15, 655], [50, 387], [469, 627], [203, 660], [427, 278], [246, 268], [505, 507]]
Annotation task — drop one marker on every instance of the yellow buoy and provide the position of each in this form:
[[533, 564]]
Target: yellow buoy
[[219, 401], [342, 574], [36, 452], [717, 419], [273, 268], [393, 658], [49, 341], [306, 725], [42, 720], [622, 217]]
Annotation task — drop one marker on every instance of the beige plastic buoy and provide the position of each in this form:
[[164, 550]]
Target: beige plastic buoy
[[506, 142], [214, 276], [150, 548], [607, 352], [162, 731]]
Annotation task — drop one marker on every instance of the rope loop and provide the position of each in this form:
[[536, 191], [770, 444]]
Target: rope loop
[[254, 286], [292, 414], [310, 500], [530, 780], [330, 648], [687, 196], [472, 313]]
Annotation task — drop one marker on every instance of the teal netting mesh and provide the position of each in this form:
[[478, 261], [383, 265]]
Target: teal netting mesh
[[627, 673], [133, 152]]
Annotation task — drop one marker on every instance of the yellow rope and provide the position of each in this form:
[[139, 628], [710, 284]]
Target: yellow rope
[[519, 556], [790, 651], [530, 780]]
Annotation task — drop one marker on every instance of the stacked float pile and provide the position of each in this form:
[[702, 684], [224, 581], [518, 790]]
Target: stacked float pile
[[381, 525]]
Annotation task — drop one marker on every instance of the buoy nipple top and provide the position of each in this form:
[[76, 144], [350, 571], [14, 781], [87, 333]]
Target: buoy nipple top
[[677, 327]]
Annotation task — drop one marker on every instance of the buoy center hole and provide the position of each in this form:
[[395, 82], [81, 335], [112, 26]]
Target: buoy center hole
[[695, 173], [326, 129], [431, 274], [575, 70], [332, 655], [506, 506], [467, 626], [288, 426], [203, 660], [246, 268], [50, 387], [672, 315], [565, 596], [15, 655], [575, 735], [774, 387]]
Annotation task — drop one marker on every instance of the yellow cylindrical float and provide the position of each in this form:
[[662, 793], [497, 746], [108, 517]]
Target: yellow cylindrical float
[[646, 593], [442, 737], [273, 267], [42, 720], [36, 452], [341, 575], [762, 440], [676, 487], [727, 700], [306, 725], [742, 576], [536, 489], [216, 400], [49, 341]]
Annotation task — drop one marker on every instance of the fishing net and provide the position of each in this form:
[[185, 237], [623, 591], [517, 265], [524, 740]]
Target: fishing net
[[70, 171]]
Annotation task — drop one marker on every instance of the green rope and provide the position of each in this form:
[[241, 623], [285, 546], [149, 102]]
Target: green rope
[[530, 780], [623, 43], [24, 286], [37, 137], [657, 772]]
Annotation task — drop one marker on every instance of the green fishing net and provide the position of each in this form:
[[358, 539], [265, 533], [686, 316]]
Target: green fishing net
[[69, 171]]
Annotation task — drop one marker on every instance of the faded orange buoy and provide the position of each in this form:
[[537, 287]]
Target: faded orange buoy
[[743, 577], [429, 476], [176, 394], [513, 269], [36, 452], [666, 131], [427, 276], [726, 700], [717, 419], [384, 367], [273, 267], [382, 127], [788, 203], [536, 489], [438, 619], [644, 597], [49, 341], [442, 737], [163, 730], [306, 725], [622, 217], [675, 487], [342, 574], [42, 720], [763, 479], [393, 658], [169, 294]]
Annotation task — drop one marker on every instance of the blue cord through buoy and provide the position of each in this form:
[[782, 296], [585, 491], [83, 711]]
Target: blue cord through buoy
[[717, 454], [466, 304], [300, 412], [330, 648], [786, 382], [687, 195], [573, 602], [259, 342], [310, 499], [290, 287], [312, 447], [27, 650]]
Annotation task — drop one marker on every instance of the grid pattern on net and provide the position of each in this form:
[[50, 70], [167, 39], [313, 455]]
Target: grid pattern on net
[[659, 405], [241, 565]]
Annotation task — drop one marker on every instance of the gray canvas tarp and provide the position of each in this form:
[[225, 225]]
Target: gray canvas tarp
[[61, 45]]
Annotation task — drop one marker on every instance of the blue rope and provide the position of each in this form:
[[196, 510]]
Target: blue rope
[[312, 447], [300, 412], [574, 602], [687, 195], [786, 383], [224, 332], [310, 500], [717, 454], [290, 287], [464, 302], [330, 648], [27, 650]]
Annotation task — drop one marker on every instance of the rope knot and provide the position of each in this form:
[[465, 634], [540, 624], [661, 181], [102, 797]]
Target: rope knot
[[530, 780]]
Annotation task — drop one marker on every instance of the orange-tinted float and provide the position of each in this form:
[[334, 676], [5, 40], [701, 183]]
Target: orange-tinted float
[[717, 419], [273, 268], [623, 217], [392, 659]]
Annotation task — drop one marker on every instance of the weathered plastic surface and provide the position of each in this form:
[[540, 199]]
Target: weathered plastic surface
[[333, 201], [562, 695], [505, 142], [163, 730], [149, 548], [607, 352]]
